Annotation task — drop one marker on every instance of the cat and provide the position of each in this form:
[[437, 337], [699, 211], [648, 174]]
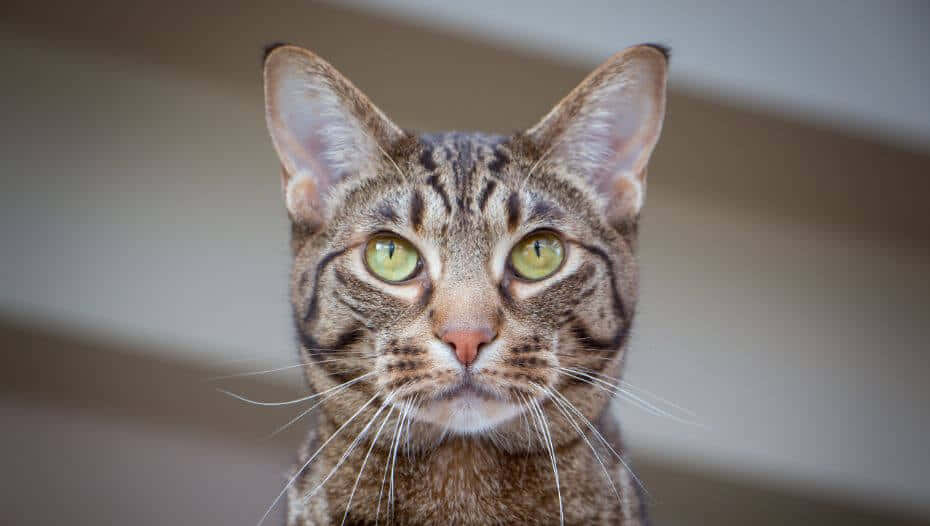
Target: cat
[[463, 301]]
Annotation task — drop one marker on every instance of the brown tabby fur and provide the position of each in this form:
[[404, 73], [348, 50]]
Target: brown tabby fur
[[461, 195]]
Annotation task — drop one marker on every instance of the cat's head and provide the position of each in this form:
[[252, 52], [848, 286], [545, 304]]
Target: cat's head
[[463, 277]]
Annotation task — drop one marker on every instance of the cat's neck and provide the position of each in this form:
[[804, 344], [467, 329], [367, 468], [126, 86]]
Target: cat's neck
[[467, 478]]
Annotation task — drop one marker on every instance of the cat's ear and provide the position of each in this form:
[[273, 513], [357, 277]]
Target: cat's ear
[[606, 128], [323, 128]]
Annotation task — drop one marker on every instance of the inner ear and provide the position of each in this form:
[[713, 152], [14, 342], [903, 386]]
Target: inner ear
[[606, 129], [324, 129]]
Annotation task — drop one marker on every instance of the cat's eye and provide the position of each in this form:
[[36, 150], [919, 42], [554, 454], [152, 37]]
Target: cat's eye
[[391, 258], [537, 256]]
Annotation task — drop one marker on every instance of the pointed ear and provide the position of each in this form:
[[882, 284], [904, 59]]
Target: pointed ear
[[323, 128], [606, 128]]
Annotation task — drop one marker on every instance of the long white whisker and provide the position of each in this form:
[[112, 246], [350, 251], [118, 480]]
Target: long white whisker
[[312, 457], [559, 404], [254, 373], [614, 390], [544, 424], [387, 463], [361, 470], [626, 385], [526, 422], [536, 425], [605, 386], [601, 438], [394, 463], [413, 407], [304, 413], [291, 402], [348, 451], [268, 371], [632, 397]]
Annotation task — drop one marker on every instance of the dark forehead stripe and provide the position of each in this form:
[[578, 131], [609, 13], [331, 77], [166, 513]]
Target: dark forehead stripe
[[486, 193], [543, 210], [467, 149], [426, 159], [499, 161], [416, 210], [513, 211], [433, 182], [469, 159], [387, 213]]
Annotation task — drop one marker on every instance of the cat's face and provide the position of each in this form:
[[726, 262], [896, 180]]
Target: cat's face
[[462, 277]]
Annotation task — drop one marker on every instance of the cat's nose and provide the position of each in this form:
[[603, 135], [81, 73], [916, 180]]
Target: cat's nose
[[466, 342]]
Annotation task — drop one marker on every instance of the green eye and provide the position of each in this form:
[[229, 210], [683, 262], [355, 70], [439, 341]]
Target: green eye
[[537, 255], [391, 258]]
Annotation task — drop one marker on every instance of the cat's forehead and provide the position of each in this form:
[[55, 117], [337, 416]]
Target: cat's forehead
[[455, 181], [462, 193], [463, 153]]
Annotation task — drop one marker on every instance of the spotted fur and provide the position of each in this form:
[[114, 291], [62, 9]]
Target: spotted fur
[[463, 200]]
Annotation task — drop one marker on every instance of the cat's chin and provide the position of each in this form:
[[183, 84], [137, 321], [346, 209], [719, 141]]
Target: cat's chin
[[467, 412]]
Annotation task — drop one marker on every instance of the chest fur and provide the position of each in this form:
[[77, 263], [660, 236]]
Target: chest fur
[[465, 482]]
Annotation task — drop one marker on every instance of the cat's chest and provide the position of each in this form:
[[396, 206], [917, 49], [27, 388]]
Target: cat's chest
[[461, 490]]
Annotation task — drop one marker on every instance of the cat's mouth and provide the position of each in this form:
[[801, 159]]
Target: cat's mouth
[[466, 388], [467, 407]]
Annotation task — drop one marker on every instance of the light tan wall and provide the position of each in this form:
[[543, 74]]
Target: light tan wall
[[785, 291]]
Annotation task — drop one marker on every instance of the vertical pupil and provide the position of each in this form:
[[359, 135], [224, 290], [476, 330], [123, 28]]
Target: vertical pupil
[[536, 247], [390, 249]]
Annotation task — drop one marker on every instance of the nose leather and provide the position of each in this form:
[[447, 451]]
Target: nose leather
[[466, 342]]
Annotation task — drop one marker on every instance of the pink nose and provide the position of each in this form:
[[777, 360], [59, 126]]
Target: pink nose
[[466, 342]]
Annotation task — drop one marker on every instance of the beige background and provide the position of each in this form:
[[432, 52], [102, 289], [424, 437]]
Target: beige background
[[785, 295]]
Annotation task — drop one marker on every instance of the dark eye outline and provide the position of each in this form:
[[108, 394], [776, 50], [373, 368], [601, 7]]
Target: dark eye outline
[[416, 269], [516, 274]]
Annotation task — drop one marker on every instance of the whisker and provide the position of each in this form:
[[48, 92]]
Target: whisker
[[526, 423], [394, 463], [413, 407], [560, 405], [349, 450], [386, 464], [632, 397], [612, 389], [290, 481], [601, 438], [290, 402], [333, 352], [606, 387], [536, 164], [305, 412], [267, 371], [629, 386], [361, 470], [389, 158], [555, 466], [587, 357]]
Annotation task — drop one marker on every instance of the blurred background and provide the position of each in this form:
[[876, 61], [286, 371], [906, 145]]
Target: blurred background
[[784, 244]]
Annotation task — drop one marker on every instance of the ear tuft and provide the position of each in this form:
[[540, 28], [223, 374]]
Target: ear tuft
[[271, 47], [661, 48], [605, 130]]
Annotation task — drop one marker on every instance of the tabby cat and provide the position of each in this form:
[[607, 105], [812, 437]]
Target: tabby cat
[[463, 299]]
